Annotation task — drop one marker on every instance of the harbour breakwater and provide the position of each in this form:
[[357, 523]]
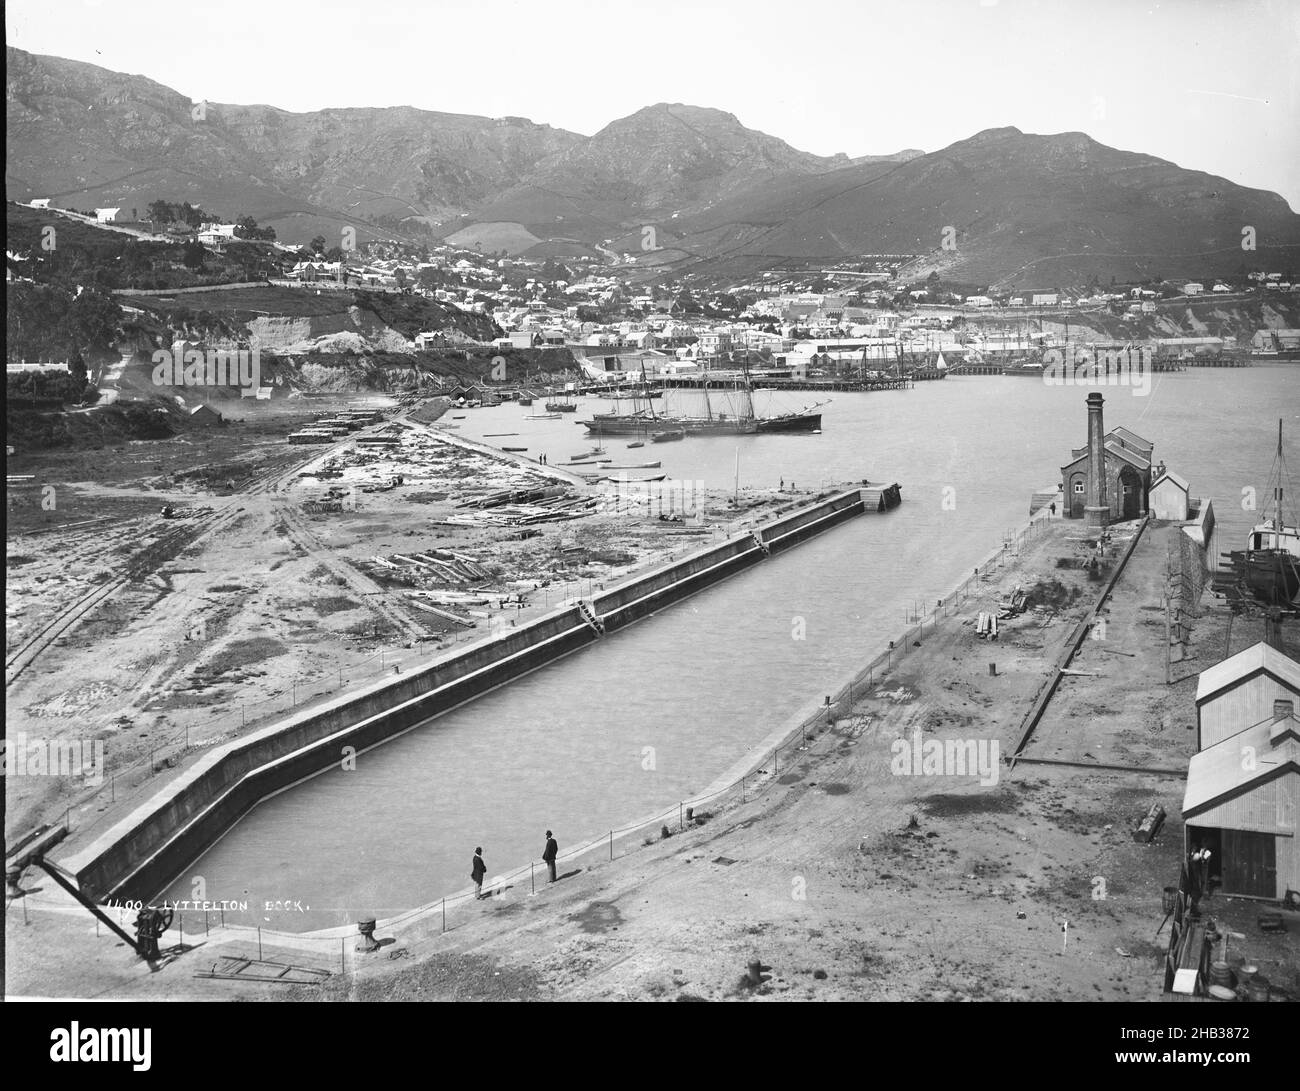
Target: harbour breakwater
[[142, 853]]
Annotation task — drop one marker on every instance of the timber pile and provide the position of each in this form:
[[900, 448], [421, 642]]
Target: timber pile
[[523, 507], [1014, 605], [437, 566]]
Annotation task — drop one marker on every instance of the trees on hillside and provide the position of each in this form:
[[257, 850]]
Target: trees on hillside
[[45, 322]]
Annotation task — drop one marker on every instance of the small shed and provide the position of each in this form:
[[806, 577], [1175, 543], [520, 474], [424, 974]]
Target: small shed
[[1170, 496], [205, 416], [1241, 690]]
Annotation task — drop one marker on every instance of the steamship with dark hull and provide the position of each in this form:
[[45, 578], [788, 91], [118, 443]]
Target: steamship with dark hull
[[635, 424], [744, 423]]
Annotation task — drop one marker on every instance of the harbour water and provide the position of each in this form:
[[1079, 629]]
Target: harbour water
[[655, 713]]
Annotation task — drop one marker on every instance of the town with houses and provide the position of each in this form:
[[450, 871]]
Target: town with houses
[[625, 321]]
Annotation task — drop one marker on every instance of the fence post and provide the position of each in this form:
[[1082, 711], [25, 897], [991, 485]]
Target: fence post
[[259, 943], [611, 844], [444, 914], [681, 823]]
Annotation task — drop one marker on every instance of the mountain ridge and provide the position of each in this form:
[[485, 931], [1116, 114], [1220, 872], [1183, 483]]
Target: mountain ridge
[[671, 182]]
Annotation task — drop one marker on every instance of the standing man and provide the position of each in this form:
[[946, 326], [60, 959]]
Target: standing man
[[478, 870], [552, 850]]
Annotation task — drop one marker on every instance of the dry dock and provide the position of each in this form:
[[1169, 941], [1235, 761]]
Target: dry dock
[[139, 854]]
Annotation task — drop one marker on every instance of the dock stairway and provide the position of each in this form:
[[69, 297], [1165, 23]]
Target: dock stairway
[[589, 617], [758, 540]]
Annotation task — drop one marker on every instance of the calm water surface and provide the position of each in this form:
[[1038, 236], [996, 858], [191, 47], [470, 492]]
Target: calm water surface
[[708, 679]]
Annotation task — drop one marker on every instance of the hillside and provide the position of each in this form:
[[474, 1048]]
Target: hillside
[[1023, 207], [88, 136], [295, 322], [662, 161], [670, 183]]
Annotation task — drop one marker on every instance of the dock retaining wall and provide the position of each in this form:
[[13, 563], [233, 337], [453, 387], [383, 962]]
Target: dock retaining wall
[[142, 853]]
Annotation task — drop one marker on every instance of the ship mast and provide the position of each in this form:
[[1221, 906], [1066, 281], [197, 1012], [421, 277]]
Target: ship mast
[[1277, 488], [747, 392]]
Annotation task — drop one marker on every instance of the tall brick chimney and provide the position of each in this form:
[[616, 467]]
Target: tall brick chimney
[[1096, 511]]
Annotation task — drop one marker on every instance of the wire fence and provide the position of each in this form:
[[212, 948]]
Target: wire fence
[[814, 733]]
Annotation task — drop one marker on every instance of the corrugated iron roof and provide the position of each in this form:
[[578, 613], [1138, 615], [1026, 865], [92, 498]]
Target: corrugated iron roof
[[1257, 657], [1220, 772]]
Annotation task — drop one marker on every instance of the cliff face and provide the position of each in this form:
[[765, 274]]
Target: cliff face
[[292, 321], [353, 330]]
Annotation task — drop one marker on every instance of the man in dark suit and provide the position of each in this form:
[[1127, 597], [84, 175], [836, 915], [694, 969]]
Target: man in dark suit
[[549, 855], [478, 870]]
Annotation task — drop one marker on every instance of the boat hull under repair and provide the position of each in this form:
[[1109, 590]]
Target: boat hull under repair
[[1272, 576]]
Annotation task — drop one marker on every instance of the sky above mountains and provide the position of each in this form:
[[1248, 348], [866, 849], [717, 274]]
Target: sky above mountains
[[1209, 84]]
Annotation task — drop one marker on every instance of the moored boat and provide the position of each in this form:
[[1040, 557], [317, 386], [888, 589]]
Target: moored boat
[[1269, 567]]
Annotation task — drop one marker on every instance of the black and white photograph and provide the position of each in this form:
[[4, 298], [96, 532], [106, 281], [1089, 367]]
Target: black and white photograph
[[645, 503]]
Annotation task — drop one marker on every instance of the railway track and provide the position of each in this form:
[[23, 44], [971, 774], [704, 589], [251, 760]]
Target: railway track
[[145, 561]]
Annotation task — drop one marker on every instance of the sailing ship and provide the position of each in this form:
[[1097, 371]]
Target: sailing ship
[[743, 423], [1269, 566], [635, 394], [563, 404]]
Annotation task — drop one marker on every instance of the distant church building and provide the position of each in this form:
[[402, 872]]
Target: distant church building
[[1110, 479]]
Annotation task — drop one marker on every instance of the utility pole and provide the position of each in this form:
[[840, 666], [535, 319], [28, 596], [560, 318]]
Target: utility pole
[[1169, 665]]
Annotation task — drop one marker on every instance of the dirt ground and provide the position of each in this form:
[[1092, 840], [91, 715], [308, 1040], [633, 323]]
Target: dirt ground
[[848, 878], [251, 603]]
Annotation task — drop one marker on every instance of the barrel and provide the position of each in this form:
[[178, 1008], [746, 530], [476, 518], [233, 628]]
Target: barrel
[[1221, 974], [1257, 990]]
